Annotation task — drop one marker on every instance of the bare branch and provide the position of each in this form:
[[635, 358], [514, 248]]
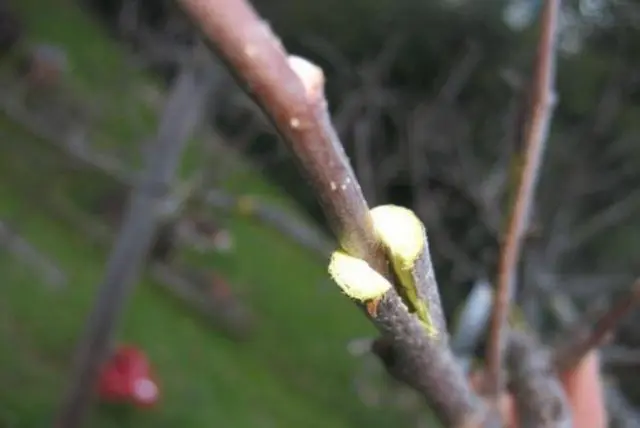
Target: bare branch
[[539, 396], [22, 249], [567, 315], [613, 215], [569, 355], [228, 316], [620, 411], [459, 75], [180, 117], [272, 216], [72, 143], [290, 91], [232, 317], [619, 356], [535, 141]]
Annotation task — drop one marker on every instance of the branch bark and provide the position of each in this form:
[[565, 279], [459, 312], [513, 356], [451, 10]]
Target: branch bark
[[290, 91], [540, 400]]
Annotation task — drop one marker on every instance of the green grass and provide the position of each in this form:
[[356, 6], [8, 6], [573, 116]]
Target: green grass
[[294, 372]]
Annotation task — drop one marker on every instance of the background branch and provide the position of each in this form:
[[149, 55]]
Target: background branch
[[273, 216], [79, 149], [584, 341], [144, 210], [22, 249], [535, 140]]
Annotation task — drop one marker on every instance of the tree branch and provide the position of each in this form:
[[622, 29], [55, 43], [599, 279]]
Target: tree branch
[[582, 342], [540, 399], [183, 283], [290, 91], [181, 114], [535, 140], [21, 248], [273, 216]]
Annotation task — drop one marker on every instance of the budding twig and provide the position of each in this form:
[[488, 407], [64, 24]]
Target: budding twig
[[291, 92]]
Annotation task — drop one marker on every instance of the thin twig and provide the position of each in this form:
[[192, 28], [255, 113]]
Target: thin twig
[[569, 355], [271, 215], [536, 136], [291, 92], [233, 319], [619, 356], [620, 411], [228, 316], [614, 214], [21, 248]]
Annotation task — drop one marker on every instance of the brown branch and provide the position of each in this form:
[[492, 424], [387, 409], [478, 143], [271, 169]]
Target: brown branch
[[566, 314], [290, 91], [582, 342], [181, 114], [535, 135], [539, 397]]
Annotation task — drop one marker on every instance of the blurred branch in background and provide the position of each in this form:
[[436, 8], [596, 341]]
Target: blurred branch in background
[[271, 215], [573, 349], [77, 147], [621, 413], [20, 248], [145, 210], [194, 289]]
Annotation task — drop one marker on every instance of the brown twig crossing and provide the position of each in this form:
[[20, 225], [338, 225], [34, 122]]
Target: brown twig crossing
[[535, 135]]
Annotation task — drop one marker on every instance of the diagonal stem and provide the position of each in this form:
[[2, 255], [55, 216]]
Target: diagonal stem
[[291, 92]]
